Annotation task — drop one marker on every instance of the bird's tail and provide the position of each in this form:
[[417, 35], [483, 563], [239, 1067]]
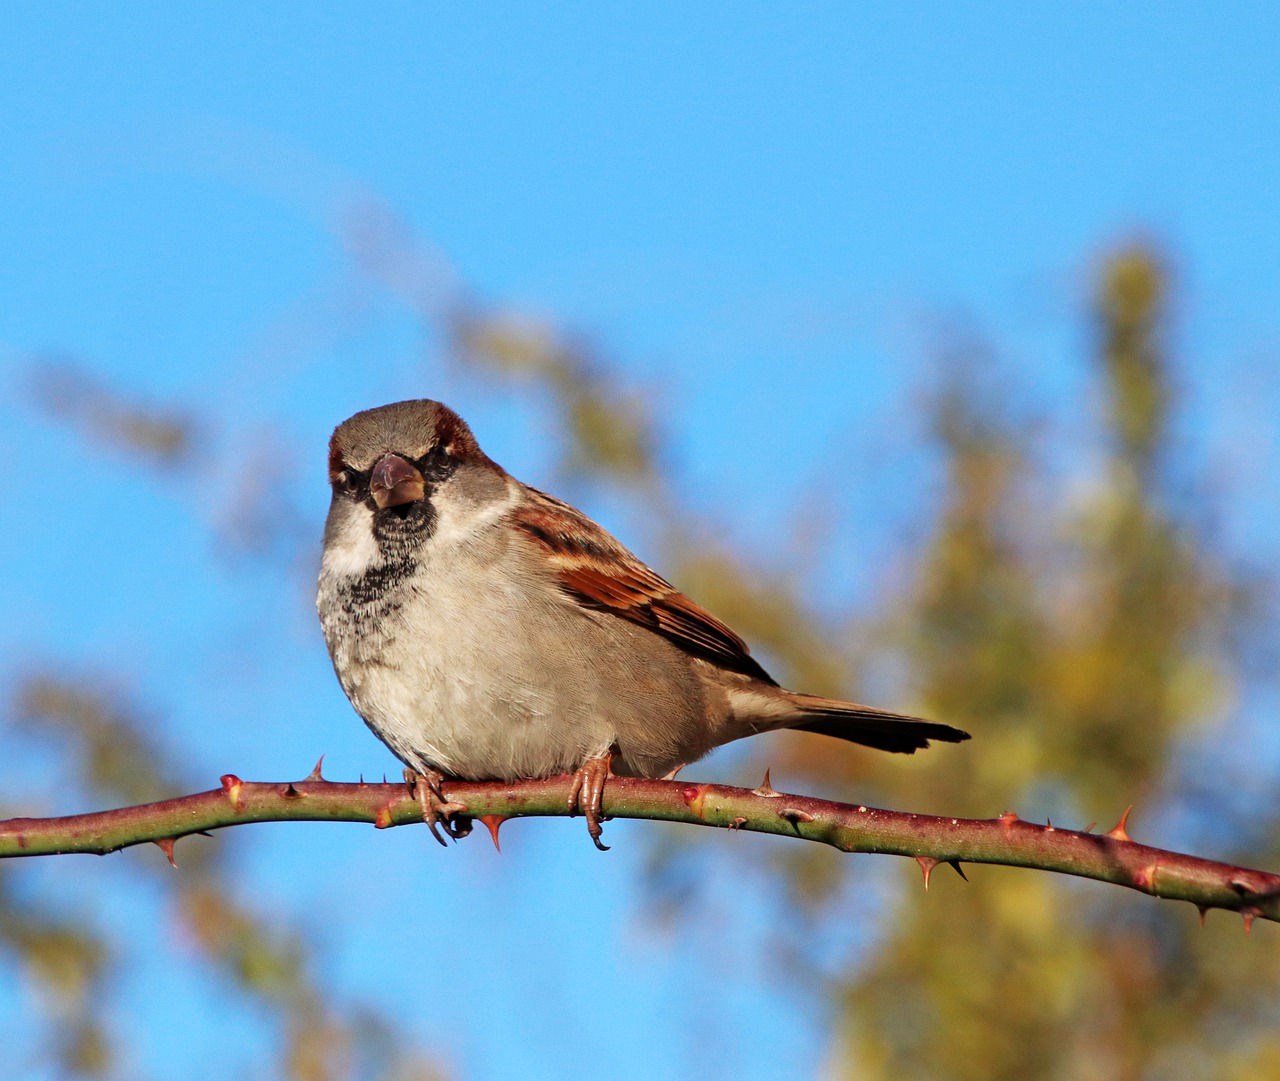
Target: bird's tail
[[867, 725]]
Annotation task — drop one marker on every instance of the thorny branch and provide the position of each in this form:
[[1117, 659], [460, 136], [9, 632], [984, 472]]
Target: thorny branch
[[1109, 857]]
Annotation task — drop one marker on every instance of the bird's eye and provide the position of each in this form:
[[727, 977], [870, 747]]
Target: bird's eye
[[436, 462], [344, 482]]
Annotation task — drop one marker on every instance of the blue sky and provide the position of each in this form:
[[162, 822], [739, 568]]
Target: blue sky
[[762, 211]]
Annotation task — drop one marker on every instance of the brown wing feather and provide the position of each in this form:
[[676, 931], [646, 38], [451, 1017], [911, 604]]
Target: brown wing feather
[[599, 573]]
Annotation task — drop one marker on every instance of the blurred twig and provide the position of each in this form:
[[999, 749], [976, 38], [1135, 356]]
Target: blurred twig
[[158, 435]]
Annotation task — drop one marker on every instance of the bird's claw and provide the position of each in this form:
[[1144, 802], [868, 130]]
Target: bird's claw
[[587, 794], [436, 810]]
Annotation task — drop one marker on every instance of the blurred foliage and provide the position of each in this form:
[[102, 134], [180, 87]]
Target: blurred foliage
[[68, 392], [607, 431], [268, 963], [1083, 637], [1084, 627]]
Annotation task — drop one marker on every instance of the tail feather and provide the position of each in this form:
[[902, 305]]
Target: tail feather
[[871, 727]]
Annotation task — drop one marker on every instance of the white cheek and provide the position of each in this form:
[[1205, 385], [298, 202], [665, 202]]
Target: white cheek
[[454, 526], [354, 550]]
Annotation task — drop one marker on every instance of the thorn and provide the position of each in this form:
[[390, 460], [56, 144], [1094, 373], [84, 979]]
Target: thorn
[[492, 824], [384, 778], [1249, 913], [927, 864], [1008, 819], [672, 775], [1089, 828], [383, 818], [361, 781], [165, 844], [315, 775], [765, 789], [1203, 909], [794, 815], [737, 823], [290, 792], [231, 785], [1117, 832], [958, 869], [204, 833], [1048, 826]]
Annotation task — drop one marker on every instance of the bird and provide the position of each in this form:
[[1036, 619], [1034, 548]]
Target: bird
[[485, 630]]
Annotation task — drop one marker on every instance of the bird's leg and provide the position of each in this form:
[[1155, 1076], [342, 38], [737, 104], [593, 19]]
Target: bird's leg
[[435, 808], [588, 792]]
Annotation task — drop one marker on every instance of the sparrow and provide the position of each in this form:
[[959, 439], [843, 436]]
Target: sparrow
[[484, 630]]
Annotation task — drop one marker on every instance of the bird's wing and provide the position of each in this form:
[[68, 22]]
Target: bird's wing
[[599, 573]]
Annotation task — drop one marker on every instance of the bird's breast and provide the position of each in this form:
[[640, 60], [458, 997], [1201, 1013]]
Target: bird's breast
[[481, 670]]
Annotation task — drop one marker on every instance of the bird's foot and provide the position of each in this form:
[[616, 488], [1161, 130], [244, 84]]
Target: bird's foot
[[587, 794], [436, 810]]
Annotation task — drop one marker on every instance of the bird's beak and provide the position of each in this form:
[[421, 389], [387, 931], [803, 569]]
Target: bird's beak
[[394, 482]]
